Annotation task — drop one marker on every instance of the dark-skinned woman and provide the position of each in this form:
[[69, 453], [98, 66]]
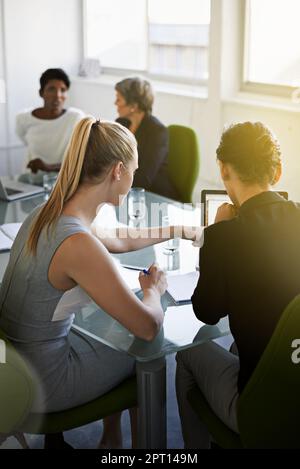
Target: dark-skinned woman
[[46, 131]]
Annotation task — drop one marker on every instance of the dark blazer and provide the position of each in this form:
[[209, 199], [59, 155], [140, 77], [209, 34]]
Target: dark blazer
[[250, 271], [153, 147]]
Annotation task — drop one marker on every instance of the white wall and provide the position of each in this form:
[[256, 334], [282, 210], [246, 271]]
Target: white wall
[[39, 34], [44, 33], [286, 125], [1, 44]]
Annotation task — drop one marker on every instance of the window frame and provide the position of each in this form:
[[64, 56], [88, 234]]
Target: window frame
[[253, 87], [125, 72]]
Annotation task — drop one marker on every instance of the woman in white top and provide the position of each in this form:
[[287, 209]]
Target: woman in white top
[[47, 130]]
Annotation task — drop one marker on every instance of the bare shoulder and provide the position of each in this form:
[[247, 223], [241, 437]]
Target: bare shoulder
[[83, 244], [81, 254]]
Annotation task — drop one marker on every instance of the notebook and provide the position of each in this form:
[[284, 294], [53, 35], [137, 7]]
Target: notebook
[[8, 232], [181, 286]]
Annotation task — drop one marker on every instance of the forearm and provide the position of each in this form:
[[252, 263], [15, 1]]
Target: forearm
[[52, 167], [39, 164], [131, 239], [152, 300], [138, 239], [135, 239]]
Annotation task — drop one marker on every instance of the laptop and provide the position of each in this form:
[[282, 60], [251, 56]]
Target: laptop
[[13, 190], [211, 201]]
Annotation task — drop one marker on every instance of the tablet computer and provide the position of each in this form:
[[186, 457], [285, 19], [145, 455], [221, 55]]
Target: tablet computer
[[211, 201]]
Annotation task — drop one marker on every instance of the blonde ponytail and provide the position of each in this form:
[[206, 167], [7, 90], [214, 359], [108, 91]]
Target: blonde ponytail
[[66, 184], [93, 149]]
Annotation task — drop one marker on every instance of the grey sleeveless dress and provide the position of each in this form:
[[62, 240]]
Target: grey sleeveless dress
[[69, 368]]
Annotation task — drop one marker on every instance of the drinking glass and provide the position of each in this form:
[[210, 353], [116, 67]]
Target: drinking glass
[[49, 181], [137, 203], [172, 262], [171, 246]]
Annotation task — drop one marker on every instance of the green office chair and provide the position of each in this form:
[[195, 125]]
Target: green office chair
[[17, 393], [268, 408], [184, 160]]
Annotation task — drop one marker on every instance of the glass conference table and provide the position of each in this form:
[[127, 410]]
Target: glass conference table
[[181, 329]]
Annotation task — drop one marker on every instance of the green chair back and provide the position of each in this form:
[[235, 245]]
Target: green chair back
[[268, 408], [16, 388], [220, 433], [122, 397], [184, 160]]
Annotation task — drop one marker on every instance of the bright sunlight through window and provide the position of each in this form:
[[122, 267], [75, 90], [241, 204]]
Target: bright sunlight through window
[[273, 42], [168, 38]]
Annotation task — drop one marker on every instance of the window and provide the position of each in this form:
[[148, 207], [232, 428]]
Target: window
[[272, 44], [116, 35], [165, 38]]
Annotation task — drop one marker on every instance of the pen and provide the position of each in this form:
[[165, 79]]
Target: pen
[[135, 267], [132, 267]]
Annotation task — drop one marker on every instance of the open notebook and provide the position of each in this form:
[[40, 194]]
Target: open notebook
[[8, 232]]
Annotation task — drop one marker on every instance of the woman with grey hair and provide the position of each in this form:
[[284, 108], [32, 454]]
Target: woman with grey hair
[[134, 101]]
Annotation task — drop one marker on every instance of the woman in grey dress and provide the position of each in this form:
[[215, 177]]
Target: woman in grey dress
[[56, 251]]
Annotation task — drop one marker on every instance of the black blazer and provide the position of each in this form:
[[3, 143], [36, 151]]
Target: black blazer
[[153, 147], [250, 271]]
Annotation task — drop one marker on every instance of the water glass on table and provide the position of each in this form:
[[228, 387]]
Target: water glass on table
[[49, 181], [171, 246], [137, 203]]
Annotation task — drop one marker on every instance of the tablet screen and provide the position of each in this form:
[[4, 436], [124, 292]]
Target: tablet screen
[[211, 201]]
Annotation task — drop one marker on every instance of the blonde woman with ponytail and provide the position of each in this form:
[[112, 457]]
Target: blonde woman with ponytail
[[56, 251]]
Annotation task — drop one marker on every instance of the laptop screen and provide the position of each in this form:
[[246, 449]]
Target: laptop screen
[[211, 201]]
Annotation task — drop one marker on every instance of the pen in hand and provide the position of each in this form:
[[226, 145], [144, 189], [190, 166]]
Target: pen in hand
[[146, 272]]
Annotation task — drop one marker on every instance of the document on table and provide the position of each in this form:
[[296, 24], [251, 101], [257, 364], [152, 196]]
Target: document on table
[[8, 232], [181, 287], [129, 275]]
